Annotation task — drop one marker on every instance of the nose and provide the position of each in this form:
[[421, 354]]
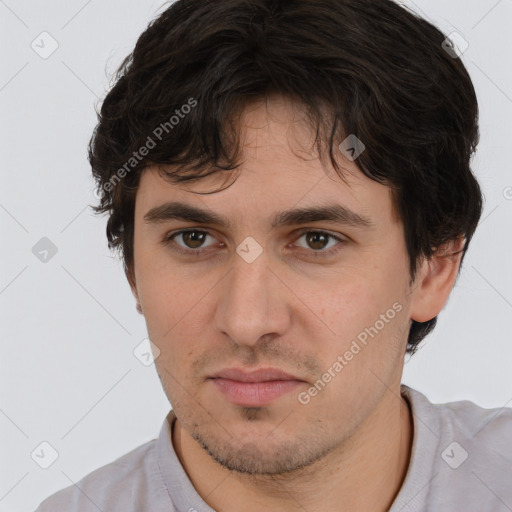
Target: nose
[[252, 303]]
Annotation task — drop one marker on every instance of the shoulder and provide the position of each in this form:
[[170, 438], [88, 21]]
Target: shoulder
[[127, 484], [465, 418], [469, 452]]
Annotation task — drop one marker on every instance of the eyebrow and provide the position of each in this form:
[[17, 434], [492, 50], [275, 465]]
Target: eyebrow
[[331, 212]]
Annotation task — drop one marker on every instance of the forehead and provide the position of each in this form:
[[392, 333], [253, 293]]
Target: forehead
[[280, 170]]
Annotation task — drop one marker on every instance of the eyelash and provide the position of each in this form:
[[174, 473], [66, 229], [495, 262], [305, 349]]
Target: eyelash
[[169, 239]]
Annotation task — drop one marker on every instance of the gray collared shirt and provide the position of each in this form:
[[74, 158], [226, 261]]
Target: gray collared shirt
[[461, 461]]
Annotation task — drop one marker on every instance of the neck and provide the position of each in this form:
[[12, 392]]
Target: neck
[[365, 473]]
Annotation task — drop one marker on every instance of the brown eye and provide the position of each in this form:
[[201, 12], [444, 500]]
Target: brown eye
[[317, 240], [318, 243], [193, 239]]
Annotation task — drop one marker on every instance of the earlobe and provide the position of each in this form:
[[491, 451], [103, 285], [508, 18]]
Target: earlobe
[[435, 281]]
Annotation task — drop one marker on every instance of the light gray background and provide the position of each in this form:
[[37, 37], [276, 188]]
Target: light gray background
[[69, 326]]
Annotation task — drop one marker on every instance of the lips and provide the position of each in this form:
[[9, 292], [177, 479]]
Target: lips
[[261, 375], [255, 388]]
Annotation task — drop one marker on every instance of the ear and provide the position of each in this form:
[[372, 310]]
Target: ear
[[435, 280], [130, 275]]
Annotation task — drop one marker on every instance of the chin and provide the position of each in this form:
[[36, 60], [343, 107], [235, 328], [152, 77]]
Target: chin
[[266, 456]]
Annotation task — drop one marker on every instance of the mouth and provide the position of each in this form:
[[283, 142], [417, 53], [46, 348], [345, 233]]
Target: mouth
[[256, 388]]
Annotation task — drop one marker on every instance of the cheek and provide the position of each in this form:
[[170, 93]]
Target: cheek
[[346, 300], [363, 307], [166, 292], [166, 305]]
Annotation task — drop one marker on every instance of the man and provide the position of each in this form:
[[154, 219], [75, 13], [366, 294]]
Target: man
[[289, 185]]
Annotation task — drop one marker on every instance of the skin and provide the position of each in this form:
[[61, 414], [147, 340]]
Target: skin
[[351, 443]]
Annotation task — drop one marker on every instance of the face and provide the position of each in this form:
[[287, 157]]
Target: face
[[278, 334]]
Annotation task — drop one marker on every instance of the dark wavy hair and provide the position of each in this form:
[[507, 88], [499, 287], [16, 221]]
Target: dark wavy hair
[[371, 68]]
